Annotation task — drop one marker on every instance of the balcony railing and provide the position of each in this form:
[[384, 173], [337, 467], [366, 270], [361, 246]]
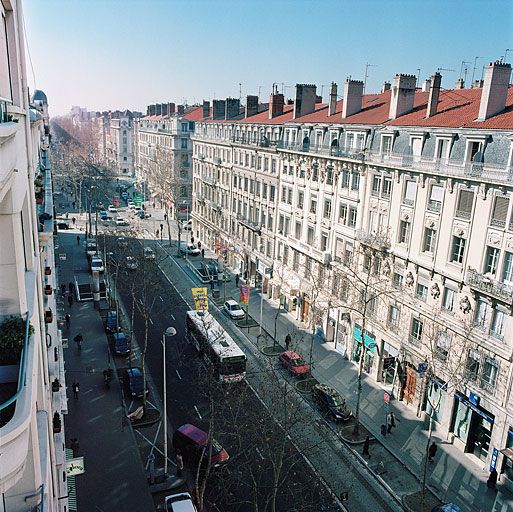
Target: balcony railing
[[377, 240], [490, 286], [434, 206]]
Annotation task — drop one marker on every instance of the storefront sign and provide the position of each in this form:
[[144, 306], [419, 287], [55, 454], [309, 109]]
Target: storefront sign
[[477, 409], [75, 466], [421, 369], [200, 298], [370, 343], [244, 294], [493, 460], [388, 362], [473, 398]]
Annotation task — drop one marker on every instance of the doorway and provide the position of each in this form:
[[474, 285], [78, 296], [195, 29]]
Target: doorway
[[410, 385], [306, 309]]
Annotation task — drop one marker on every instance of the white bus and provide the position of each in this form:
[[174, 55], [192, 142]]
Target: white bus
[[204, 332]]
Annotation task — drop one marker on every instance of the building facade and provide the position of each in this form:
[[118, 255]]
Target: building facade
[[32, 384], [164, 154], [404, 196]]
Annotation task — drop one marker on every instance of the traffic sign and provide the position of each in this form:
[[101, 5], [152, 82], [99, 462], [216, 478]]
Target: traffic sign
[[386, 397]]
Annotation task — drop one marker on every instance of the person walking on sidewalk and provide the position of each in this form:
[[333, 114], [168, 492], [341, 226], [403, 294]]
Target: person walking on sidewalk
[[179, 464], [70, 300], [78, 239], [76, 388], [67, 318], [237, 280], [366, 444], [432, 451], [71, 287], [63, 289], [390, 422], [202, 253], [73, 220], [288, 339], [491, 483]]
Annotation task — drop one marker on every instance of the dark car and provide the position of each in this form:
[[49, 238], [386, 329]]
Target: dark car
[[294, 364], [121, 347], [192, 442], [62, 225], [111, 323], [135, 382], [330, 402]]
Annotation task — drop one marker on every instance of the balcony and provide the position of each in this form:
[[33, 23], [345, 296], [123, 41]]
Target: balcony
[[379, 241], [485, 284], [209, 180], [250, 224]]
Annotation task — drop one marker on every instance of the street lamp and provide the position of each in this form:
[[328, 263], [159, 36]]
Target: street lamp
[[170, 331]]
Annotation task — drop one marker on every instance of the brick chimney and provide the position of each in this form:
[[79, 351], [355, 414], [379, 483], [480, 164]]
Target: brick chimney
[[165, 109], [403, 95], [353, 91], [251, 106], [232, 108], [495, 89], [206, 108], [158, 109], [333, 99], [171, 108], [276, 103], [306, 96], [460, 84], [218, 109], [151, 110], [434, 94], [426, 85], [385, 87]]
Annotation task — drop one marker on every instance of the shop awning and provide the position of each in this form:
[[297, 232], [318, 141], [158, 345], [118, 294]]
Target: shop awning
[[507, 452], [370, 343]]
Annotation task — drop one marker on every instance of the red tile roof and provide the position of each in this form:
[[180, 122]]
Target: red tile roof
[[457, 108], [194, 114]]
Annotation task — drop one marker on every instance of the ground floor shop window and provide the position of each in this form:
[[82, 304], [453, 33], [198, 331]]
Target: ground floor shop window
[[507, 465], [436, 399]]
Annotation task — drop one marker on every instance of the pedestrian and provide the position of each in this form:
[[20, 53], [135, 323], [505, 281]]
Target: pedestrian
[[157, 232], [202, 253], [212, 284], [366, 444], [491, 483], [432, 451], [288, 339], [74, 446], [179, 464], [199, 244], [390, 422], [68, 320], [78, 239], [73, 204], [73, 220], [78, 340], [162, 227], [63, 289], [237, 280], [70, 300], [192, 239], [67, 215], [71, 287], [76, 388]]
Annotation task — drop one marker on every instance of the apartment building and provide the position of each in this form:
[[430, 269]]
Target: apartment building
[[164, 153], [32, 384], [419, 180]]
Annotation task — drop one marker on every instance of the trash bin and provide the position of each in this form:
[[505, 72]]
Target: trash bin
[[216, 293]]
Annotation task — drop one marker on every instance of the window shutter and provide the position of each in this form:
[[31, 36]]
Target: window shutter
[[500, 209], [465, 201]]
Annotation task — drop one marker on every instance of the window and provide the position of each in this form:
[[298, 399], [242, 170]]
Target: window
[[490, 372], [352, 217], [313, 205], [507, 272], [327, 209], [297, 231], [355, 182], [289, 196], [421, 292], [310, 235], [474, 151], [500, 212], [443, 148], [472, 366], [465, 203], [348, 253], [410, 191], [492, 260], [300, 199], [342, 213], [273, 165], [386, 144], [185, 126], [308, 266], [497, 328], [184, 143], [393, 316], [324, 241], [428, 244], [387, 187], [376, 185], [443, 344], [272, 193], [435, 199], [345, 178], [482, 311], [295, 260], [397, 280], [449, 300], [283, 194], [458, 249], [404, 232], [264, 191], [416, 329], [5, 74]]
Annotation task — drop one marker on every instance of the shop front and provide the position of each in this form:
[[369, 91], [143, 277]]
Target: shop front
[[369, 342], [435, 399], [472, 425], [390, 364], [507, 461]]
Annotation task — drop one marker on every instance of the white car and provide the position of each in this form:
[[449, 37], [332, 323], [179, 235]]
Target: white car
[[179, 503], [187, 226], [120, 221], [148, 253], [97, 264], [131, 205], [190, 249], [131, 263], [233, 309], [112, 208]]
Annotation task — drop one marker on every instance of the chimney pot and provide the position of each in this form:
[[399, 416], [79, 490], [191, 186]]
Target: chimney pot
[[276, 103], [426, 85], [495, 90], [353, 91], [403, 95], [460, 84], [386, 87], [251, 106], [333, 99], [306, 97], [434, 94], [206, 108]]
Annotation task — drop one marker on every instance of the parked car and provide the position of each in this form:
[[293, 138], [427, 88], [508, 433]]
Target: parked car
[[62, 225], [330, 402], [179, 503], [91, 248], [120, 221], [187, 225], [121, 347], [135, 382], [293, 362], [149, 254], [131, 263], [192, 442], [122, 241], [131, 205], [97, 264], [104, 214], [233, 309], [112, 208], [111, 323], [190, 249], [124, 195], [143, 214]]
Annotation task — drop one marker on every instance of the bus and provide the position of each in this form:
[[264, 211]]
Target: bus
[[218, 348]]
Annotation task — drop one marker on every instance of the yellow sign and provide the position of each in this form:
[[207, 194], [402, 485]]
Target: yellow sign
[[200, 298]]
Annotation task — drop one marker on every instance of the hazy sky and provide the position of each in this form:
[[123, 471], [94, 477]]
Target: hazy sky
[[109, 54]]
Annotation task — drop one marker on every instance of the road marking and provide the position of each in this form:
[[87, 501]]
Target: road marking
[[161, 298], [259, 453], [197, 412], [151, 321], [173, 317], [179, 376], [141, 302]]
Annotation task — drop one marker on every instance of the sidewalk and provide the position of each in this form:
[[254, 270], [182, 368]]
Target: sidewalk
[[114, 477], [452, 477]]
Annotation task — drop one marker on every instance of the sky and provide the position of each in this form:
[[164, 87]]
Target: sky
[[118, 54]]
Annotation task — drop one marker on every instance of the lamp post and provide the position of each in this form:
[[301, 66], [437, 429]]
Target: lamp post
[[170, 331]]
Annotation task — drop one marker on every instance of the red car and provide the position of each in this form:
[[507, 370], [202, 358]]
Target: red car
[[294, 364]]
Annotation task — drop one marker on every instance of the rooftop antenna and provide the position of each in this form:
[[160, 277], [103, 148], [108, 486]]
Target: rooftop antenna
[[445, 69], [259, 89], [367, 66], [505, 56], [464, 69], [474, 70], [240, 92]]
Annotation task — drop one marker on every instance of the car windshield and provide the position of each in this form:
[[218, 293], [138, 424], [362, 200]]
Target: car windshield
[[334, 400], [234, 307], [297, 362], [233, 365], [216, 447]]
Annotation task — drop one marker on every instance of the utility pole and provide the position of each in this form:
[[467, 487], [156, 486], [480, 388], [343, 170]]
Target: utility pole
[[367, 66]]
